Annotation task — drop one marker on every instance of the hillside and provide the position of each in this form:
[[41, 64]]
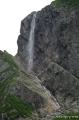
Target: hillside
[[18, 86], [42, 80]]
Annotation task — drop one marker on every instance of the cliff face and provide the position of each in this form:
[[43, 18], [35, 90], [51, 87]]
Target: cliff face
[[56, 52], [56, 38]]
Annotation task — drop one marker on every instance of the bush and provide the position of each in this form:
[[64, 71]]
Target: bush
[[67, 3]]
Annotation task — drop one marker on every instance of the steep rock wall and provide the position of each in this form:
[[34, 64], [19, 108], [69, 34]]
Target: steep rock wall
[[56, 40]]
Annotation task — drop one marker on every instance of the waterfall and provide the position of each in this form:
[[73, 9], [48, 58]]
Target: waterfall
[[31, 44]]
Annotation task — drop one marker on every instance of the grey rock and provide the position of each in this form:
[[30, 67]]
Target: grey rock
[[56, 52]]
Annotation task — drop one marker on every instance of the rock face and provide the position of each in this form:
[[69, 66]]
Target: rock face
[[56, 52]]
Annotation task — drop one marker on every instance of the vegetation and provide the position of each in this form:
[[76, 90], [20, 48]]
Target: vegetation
[[11, 106], [9, 58], [67, 3], [68, 116]]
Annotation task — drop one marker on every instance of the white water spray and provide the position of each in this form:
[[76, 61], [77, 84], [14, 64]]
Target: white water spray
[[31, 44]]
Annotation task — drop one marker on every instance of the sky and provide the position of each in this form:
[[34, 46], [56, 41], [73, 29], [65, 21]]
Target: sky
[[11, 14]]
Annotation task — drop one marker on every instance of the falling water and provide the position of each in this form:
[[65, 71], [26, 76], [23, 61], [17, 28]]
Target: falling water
[[31, 44]]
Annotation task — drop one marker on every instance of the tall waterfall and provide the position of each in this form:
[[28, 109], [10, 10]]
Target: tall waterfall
[[31, 44]]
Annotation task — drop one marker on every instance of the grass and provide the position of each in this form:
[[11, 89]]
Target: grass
[[68, 116], [11, 105], [66, 3], [14, 107], [19, 106]]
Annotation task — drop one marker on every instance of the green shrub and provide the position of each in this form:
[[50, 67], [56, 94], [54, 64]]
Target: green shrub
[[11, 105], [67, 3], [14, 107]]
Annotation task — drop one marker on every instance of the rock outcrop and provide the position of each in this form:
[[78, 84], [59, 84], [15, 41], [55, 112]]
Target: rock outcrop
[[56, 52]]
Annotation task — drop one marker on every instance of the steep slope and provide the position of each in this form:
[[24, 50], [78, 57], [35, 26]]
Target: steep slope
[[25, 86], [56, 52]]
